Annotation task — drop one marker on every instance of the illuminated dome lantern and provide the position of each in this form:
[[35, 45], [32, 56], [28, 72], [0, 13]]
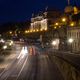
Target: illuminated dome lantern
[[76, 10]]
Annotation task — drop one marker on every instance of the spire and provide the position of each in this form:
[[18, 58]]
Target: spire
[[68, 2], [46, 8], [69, 8]]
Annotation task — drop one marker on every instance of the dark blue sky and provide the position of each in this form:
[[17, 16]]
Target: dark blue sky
[[21, 10]]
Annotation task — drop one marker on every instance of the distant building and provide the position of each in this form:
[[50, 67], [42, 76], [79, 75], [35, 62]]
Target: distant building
[[74, 33], [43, 20]]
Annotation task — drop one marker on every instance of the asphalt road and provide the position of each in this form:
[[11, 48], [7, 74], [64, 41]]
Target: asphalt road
[[31, 67]]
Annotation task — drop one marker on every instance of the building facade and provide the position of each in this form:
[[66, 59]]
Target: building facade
[[74, 33], [43, 20], [62, 32]]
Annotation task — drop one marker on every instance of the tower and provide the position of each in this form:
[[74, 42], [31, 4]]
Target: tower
[[69, 8]]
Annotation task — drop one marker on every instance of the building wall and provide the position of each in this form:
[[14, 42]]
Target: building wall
[[39, 23], [74, 33], [44, 20]]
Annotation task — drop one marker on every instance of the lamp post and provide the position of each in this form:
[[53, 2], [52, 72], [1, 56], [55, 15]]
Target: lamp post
[[54, 44]]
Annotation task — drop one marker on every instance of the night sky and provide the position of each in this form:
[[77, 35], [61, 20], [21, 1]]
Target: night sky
[[21, 10]]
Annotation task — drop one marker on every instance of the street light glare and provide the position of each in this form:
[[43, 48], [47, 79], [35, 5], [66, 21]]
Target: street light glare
[[26, 31], [55, 27], [5, 47], [41, 29], [10, 32], [56, 23], [37, 30], [34, 30], [63, 19], [45, 29], [70, 40], [72, 24], [54, 43]]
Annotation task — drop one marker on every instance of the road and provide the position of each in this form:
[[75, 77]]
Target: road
[[31, 67]]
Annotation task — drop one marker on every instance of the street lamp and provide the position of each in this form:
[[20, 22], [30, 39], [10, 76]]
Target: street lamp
[[10, 32], [53, 43], [45, 29], [72, 24], [70, 40], [55, 27], [26, 31], [5, 47], [56, 23], [37, 30], [41, 29], [63, 19]]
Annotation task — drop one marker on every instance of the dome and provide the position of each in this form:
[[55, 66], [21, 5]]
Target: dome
[[69, 9]]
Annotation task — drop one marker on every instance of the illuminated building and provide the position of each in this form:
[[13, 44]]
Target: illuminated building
[[43, 20], [75, 34]]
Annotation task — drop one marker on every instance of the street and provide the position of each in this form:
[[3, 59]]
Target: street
[[31, 67]]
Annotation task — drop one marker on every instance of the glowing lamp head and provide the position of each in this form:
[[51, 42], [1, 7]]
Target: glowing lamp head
[[55, 27], [10, 32], [41, 29], [72, 24], [34, 30], [56, 23], [70, 40], [45, 29], [5, 47], [37, 30], [63, 19], [26, 31], [53, 43]]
